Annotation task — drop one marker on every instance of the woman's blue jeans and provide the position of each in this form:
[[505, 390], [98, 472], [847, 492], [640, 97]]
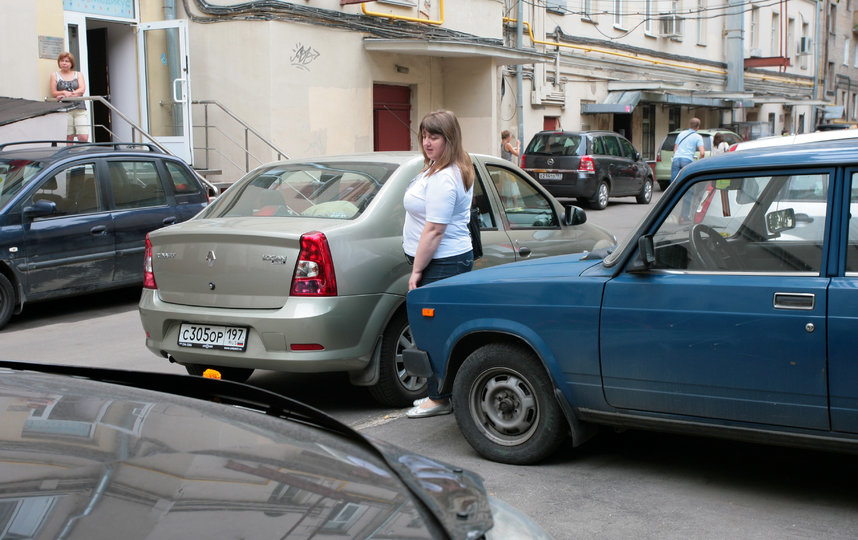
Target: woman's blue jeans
[[437, 270]]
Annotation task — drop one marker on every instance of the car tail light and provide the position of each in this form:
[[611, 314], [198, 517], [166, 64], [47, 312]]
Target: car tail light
[[587, 164], [522, 161], [733, 147], [314, 270], [658, 157], [148, 274]]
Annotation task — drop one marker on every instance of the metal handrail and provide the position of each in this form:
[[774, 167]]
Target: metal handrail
[[247, 130], [135, 130], [134, 127]]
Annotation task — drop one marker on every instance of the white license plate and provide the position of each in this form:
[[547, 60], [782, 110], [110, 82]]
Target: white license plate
[[550, 176], [228, 338]]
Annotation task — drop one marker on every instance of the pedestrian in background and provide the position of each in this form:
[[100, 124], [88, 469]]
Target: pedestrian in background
[[507, 148], [68, 83], [687, 142], [435, 236], [719, 145]]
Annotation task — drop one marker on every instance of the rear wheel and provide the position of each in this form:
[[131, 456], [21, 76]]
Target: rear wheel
[[600, 199], [505, 407], [7, 300], [645, 196], [395, 386], [228, 373]]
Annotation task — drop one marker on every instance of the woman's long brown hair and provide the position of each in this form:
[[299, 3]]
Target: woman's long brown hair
[[445, 124]]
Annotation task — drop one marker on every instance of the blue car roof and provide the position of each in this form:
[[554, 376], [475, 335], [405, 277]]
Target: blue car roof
[[817, 154]]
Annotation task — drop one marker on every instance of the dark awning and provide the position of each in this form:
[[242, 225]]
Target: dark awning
[[17, 109], [624, 102], [616, 102]]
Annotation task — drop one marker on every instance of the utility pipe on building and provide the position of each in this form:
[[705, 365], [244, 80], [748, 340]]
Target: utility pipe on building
[[519, 100]]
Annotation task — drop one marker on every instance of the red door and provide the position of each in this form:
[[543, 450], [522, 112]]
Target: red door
[[391, 117]]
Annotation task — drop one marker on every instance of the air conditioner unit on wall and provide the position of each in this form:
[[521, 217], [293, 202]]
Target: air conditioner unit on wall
[[805, 46], [671, 26]]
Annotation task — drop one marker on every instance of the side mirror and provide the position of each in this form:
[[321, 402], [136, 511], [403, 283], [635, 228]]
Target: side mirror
[[780, 220], [645, 257], [40, 208], [573, 215]]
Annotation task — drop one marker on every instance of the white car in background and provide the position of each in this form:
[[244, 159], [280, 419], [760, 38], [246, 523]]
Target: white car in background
[[816, 136]]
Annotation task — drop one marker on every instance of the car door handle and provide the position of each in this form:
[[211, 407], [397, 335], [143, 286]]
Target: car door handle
[[169, 220], [98, 230], [805, 301]]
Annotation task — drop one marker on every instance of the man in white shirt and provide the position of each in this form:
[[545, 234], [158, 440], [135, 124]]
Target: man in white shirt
[[687, 142]]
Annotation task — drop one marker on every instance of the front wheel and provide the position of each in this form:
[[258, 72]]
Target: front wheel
[[505, 406], [227, 373], [396, 387]]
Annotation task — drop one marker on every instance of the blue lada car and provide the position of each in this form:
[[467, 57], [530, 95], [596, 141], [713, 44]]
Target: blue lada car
[[731, 311]]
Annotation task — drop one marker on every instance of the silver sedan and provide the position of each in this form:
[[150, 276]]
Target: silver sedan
[[298, 267]]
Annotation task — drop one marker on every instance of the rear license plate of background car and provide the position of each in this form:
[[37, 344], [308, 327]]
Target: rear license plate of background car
[[550, 176], [228, 338]]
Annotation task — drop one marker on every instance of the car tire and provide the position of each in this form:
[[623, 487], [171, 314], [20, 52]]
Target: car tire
[[663, 184], [505, 406], [396, 387], [227, 373], [7, 300], [600, 199], [645, 196]]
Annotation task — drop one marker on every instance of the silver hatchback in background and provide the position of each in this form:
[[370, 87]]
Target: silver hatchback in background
[[299, 267]]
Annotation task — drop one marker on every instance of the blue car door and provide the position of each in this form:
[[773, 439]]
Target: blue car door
[[729, 322], [71, 250], [140, 205], [843, 319]]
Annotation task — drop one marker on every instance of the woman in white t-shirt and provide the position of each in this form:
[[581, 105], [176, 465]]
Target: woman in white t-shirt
[[719, 145], [435, 236]]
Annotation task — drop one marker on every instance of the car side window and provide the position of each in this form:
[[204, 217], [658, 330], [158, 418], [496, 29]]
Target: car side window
[[74, 190], [612, 146], [598, 146], [628, 150], [852, 246], [481, 203], [524, 206], [136, 184], [747, 224], [183, 182]]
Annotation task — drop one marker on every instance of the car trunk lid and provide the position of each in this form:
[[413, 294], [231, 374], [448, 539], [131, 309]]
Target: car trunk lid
[[240, 263]]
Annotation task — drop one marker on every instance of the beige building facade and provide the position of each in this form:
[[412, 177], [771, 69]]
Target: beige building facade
[[236, 84]]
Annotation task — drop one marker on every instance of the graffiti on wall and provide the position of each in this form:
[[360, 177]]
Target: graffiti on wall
[[303, 56]]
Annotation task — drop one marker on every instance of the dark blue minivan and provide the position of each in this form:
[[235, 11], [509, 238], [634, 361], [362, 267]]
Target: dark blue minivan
[[732, 310], [74, 217]]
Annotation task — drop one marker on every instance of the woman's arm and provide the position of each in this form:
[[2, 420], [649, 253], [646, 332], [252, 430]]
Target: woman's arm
[[81, 85], [430, 238], [57, 94]]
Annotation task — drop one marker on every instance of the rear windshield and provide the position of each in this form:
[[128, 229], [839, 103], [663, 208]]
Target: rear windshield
[[15, 174], [325, 190], [557, 144], [669, 141]]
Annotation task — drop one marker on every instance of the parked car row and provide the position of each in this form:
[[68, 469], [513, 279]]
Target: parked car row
[[74, 217], [299, 267], [729, 312]]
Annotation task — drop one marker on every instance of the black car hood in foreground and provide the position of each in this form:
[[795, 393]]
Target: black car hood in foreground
[[93, 453]]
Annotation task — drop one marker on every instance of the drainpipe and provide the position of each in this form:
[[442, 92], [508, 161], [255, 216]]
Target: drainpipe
[[519, 100], [816, 81]]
